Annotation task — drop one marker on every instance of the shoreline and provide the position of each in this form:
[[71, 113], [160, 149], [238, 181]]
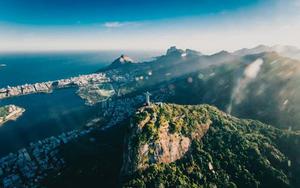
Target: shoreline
[[13, 115], [49, 86]]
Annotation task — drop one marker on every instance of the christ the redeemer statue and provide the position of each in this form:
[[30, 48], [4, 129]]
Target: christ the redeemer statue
[[147, 94]]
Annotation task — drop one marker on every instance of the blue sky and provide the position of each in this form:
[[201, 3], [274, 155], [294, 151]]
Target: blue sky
[[68, 12], [145, 24]]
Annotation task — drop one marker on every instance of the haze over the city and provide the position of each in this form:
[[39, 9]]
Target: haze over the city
[[35, 25]]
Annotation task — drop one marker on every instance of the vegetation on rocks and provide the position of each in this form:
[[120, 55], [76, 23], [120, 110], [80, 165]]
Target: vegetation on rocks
[[223, 152], [3, 111]]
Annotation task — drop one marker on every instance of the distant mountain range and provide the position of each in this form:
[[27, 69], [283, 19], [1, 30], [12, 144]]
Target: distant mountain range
[[286, 51], [271, 93]]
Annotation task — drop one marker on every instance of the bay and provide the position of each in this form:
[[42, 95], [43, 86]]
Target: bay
[[49, 114]]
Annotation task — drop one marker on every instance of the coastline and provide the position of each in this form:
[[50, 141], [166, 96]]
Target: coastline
[[49, 86], [13, 115]]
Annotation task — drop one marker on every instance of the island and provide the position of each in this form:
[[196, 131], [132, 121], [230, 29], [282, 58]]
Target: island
[[10, 112]]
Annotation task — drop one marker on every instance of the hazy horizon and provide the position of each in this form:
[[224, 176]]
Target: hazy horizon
[[205, 26], [128, 51]]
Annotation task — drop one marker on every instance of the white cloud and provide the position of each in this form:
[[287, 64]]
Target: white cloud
[[252, 70], [249, 75], [115, 24]]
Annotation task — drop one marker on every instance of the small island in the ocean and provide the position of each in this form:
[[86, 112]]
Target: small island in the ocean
[[10, 112]]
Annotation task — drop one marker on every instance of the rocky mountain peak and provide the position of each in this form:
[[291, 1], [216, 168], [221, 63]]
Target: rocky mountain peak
[[161, 135], [173, 50], [124, 59], [120, 61]]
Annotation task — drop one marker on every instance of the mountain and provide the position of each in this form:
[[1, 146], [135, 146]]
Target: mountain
[[193, 52], [121, 61], [174, 51], [263, 86], [286, 51], [181, 143], [269, 92], [170, 145], [256, 50]]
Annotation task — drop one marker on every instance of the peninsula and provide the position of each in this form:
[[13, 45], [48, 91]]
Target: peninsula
[[10, 112], [47, 87]]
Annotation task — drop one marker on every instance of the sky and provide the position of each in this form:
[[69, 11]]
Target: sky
[[205, 25]]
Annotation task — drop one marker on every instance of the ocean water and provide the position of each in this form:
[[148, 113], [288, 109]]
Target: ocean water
[[37, 67], [46, 115], [29, 67], [49, 114]]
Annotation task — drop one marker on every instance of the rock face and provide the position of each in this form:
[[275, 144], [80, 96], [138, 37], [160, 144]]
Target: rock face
[[122, 60], [171, 145], [157, 137], [174, 50], [119, 63]]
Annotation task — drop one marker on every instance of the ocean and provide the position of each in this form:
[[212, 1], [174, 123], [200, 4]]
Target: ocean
[[49, 114]]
